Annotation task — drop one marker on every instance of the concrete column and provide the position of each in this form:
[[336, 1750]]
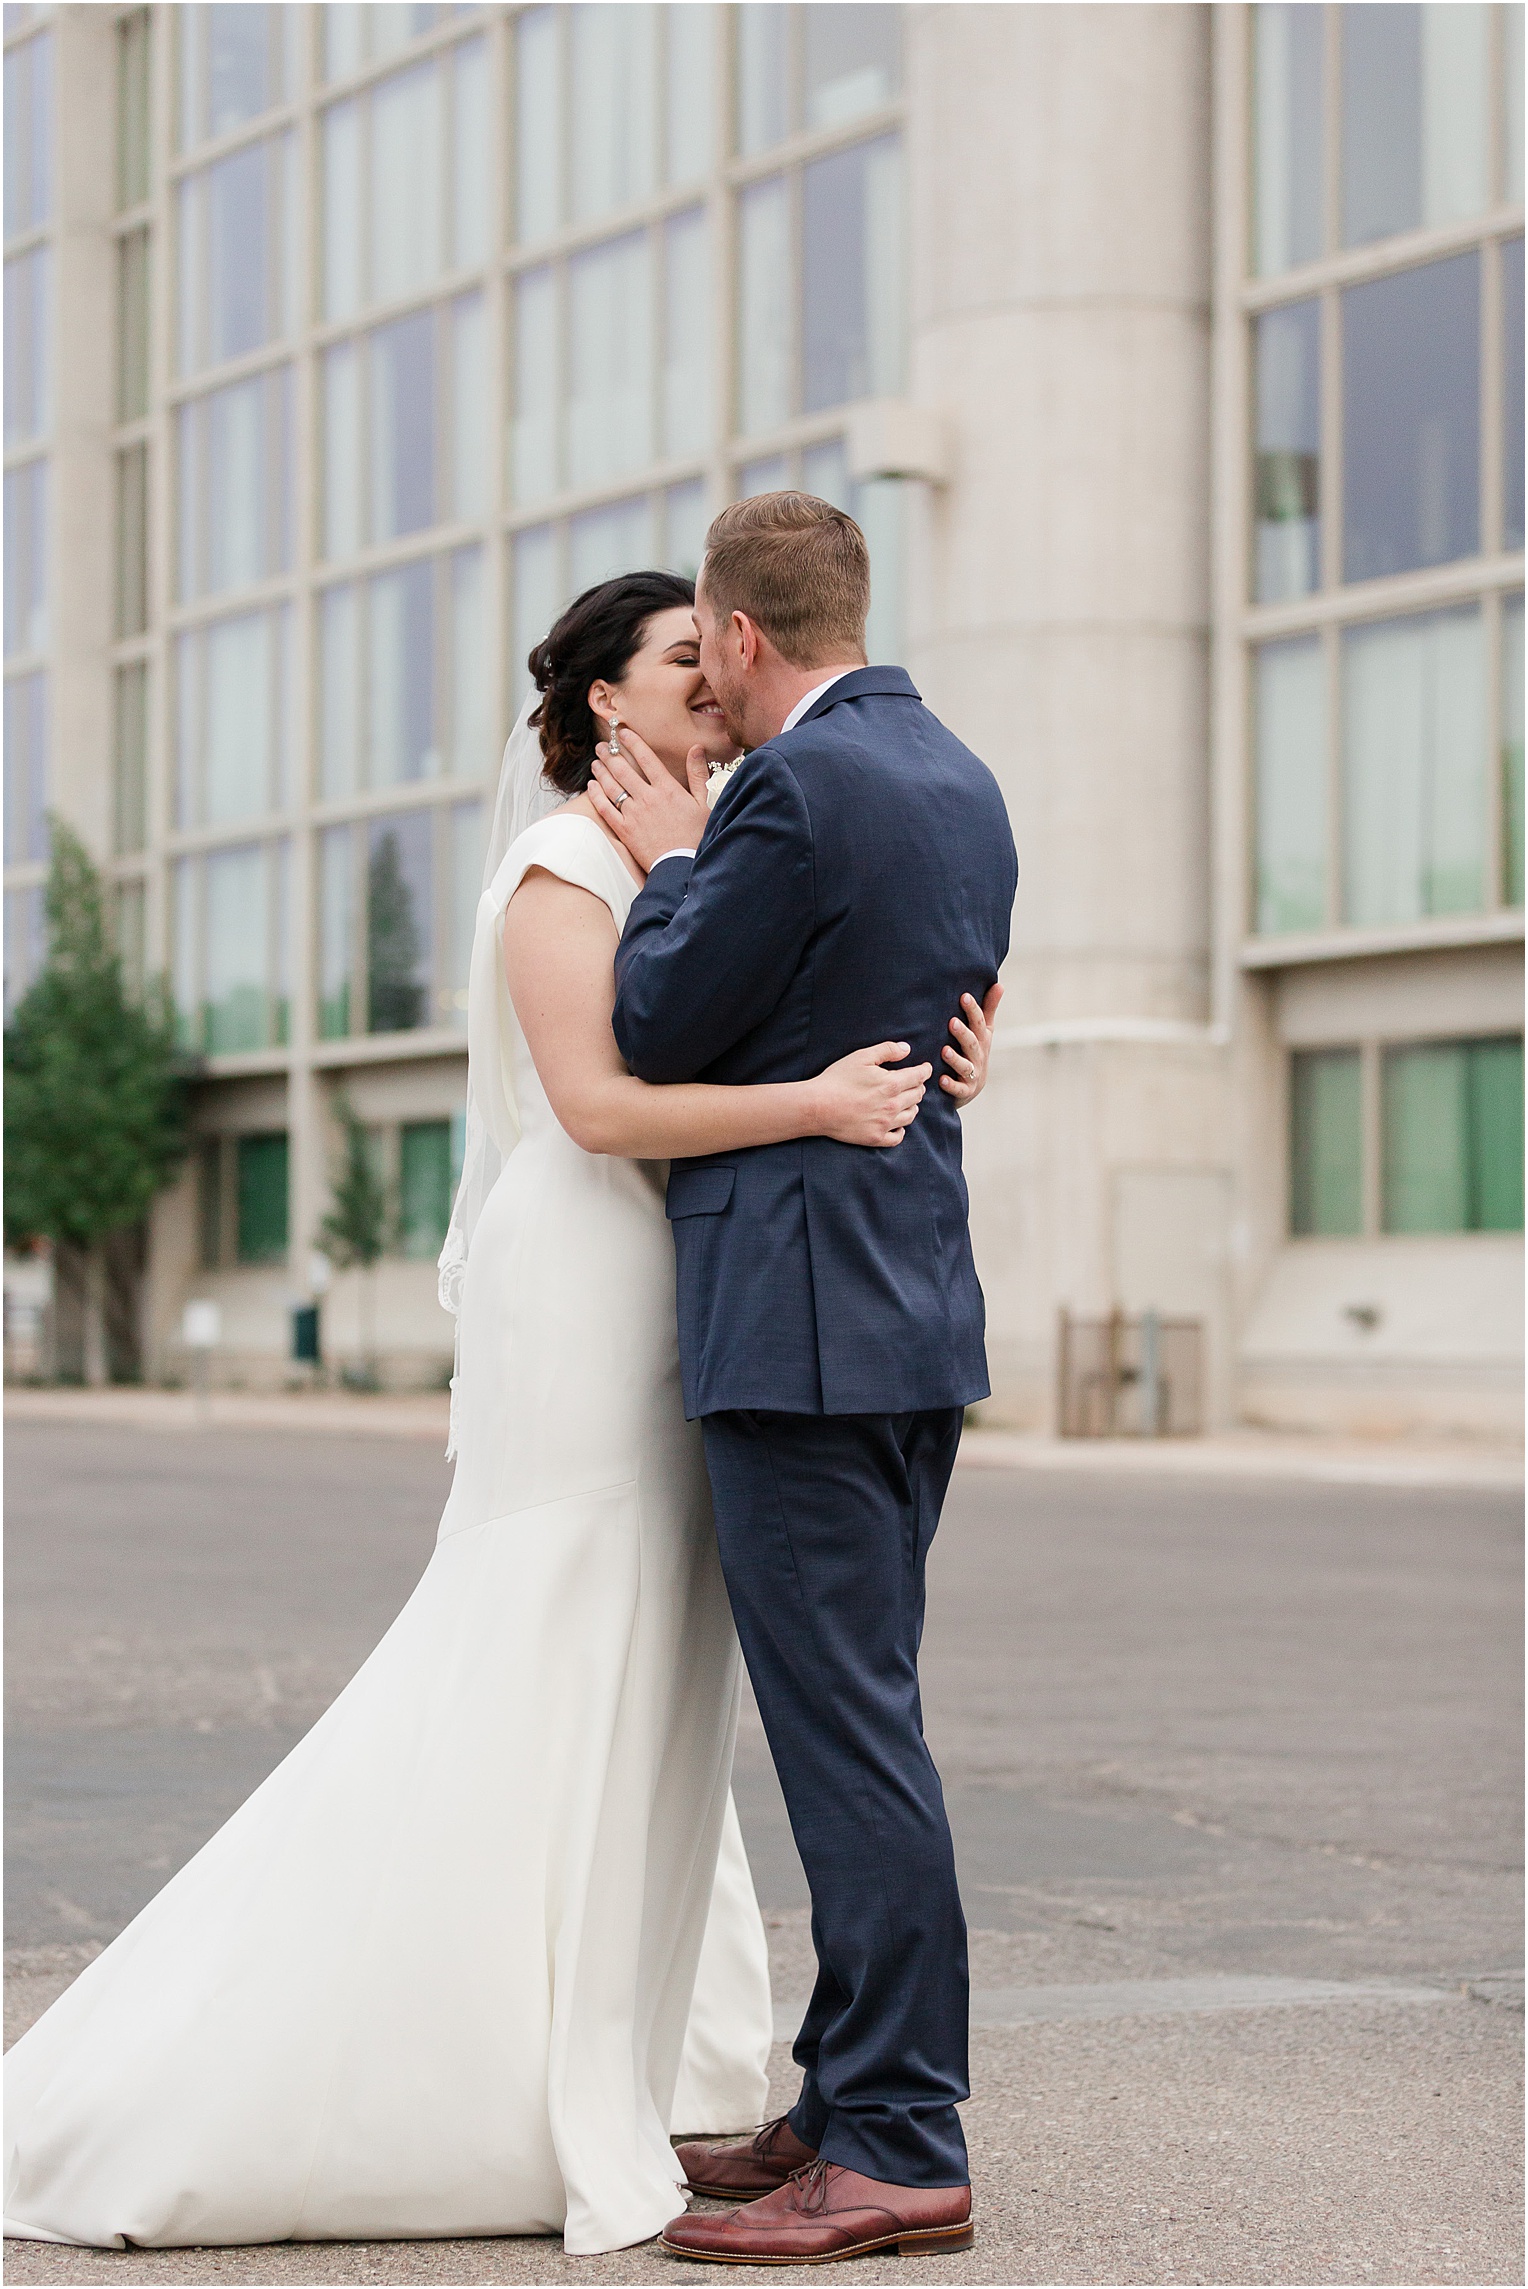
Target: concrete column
[[1059, 619]]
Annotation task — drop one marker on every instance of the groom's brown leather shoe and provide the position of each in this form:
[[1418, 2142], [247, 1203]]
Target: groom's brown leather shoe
[[740, 2169], [827, 2212]]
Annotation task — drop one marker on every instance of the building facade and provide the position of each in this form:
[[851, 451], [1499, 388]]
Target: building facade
[[1171, 358]]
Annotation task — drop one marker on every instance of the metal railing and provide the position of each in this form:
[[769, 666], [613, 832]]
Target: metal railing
[[1129, 1377]]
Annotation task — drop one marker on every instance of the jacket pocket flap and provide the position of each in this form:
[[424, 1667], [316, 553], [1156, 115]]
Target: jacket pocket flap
[[699, 1191]]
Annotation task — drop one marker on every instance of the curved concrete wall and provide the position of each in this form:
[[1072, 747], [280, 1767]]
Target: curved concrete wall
[[1059, 609]]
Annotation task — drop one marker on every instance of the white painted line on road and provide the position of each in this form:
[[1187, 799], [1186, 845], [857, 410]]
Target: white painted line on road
[[1135, 1998]]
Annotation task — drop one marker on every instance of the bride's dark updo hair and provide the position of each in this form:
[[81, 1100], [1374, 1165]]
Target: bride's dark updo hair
[[598, 636]]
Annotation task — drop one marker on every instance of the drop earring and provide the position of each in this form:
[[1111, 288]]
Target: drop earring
[[615, 744]]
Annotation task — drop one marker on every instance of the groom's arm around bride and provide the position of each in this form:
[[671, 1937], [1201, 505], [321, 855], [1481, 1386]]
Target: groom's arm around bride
[[855, 879]]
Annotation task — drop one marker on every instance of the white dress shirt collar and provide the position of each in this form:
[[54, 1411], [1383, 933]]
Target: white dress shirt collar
[[803, 706]]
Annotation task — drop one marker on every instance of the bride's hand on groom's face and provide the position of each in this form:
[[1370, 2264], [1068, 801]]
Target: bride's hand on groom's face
[[643, 804], [972, 1050]]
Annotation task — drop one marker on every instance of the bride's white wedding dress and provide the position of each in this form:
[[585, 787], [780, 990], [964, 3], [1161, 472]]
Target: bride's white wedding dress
[[488, 1935]]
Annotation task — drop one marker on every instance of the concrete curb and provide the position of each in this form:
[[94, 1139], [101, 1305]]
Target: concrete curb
[[424, 1414]]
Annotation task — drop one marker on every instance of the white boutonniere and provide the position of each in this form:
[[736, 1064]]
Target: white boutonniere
[[717, 781]]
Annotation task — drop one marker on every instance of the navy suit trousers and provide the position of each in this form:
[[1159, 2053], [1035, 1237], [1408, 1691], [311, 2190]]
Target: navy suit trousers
[[824, 1524]]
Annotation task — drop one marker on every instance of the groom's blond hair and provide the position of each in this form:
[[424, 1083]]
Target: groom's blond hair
[[798, 568]]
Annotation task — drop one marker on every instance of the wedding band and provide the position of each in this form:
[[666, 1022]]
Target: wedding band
[[621, 800]]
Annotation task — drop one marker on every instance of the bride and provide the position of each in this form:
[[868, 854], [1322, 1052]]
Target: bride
[[487, 1937]]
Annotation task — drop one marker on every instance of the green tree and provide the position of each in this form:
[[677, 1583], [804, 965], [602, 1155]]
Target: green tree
[[95, 1090], [360, 1227], [392, 943]]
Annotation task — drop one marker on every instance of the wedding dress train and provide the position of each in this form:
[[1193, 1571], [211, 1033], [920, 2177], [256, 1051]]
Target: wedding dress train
[[488, 1934]]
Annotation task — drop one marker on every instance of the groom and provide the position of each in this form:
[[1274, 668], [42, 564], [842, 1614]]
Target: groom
[[856, 877]]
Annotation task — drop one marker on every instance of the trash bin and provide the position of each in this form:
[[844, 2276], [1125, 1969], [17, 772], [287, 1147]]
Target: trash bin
[[305, 1333]]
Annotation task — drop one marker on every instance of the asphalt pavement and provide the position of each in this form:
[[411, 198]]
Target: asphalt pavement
[[1232, 1765]]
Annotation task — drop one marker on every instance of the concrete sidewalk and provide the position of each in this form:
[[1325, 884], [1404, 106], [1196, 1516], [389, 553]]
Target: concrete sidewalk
[[1240, 1453], [1230, 1761]]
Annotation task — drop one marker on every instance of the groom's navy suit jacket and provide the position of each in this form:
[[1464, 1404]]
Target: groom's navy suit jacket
[[856, 877]]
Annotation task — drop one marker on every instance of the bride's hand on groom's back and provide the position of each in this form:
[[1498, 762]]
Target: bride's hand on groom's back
[[972, 1050], [861, 1101]]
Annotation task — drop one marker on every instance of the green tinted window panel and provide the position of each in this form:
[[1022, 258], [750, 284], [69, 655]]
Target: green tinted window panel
[[262, 1198], [1426, 1186], [1494, 1126], [1453, 1137], [424, 1183], [1325, 1143]]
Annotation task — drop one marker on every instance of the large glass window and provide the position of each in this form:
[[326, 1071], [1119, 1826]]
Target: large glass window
[[26, 769], [1289, 121], [610, 410], [687, 415], [336, 931], [1414, 767], [1392, 375], [26, 936], [235, 61], [401, 678], [29, 135], [831, 330], [28, 346], [1512, 394], [1292, 779], [239, 251], [1414, 140], [357, 33], [399, 922], [1325, 1142], [1288, 469], [405, 181], [1512, 103], [813, 273], [614, 64], [851, 287], [26, 558], [766, 344], [603, 542], [133, 540], [133, 37], [415, 390], [1453, 1136], [232, 933], [234, 735], [1415, 116], [611, 103], [392, 942], [1411, 419], [133, 326], [812, 67], [234, 477], [130, 759]]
